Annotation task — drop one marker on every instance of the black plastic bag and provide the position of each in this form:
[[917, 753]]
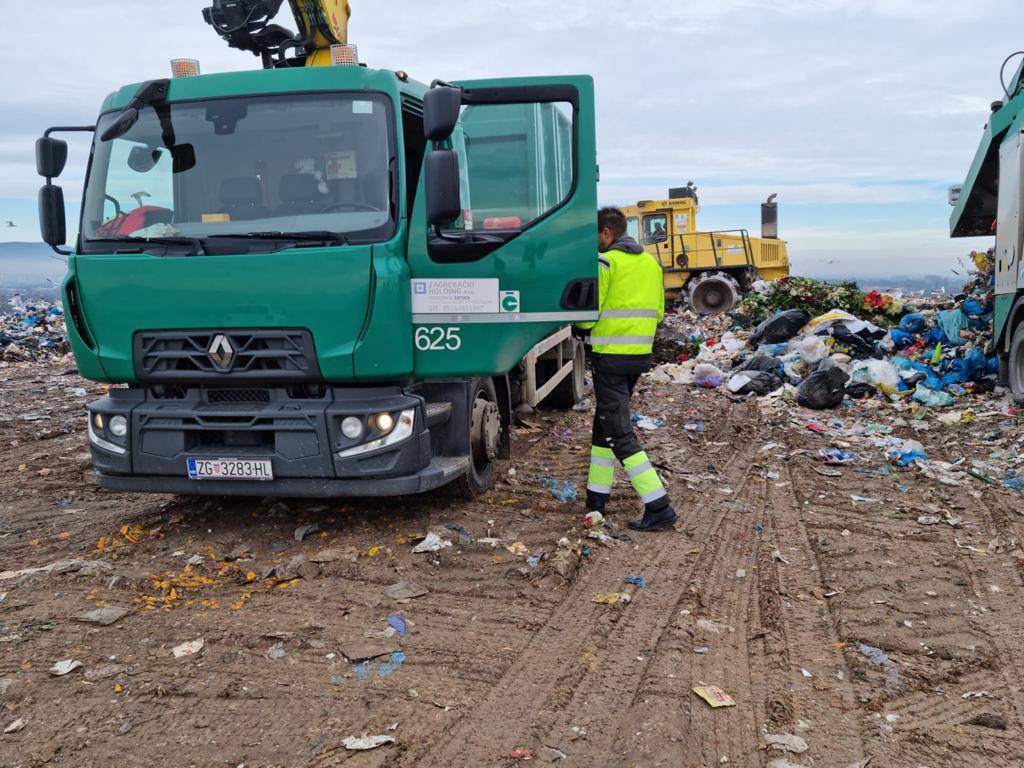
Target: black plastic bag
[[761, 383], [783, 327], [822, 389], [861, 391], [765, 363], [859, 346]]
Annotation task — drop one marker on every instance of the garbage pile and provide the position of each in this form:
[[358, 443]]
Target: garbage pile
[[930, 352], [32, 330]]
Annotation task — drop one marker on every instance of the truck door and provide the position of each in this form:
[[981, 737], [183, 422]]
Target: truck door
[[521, 259]]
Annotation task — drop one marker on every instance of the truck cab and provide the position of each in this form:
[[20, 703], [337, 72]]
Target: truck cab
[[297, 292]]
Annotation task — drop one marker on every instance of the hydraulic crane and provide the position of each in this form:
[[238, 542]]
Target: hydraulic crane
[[246, 25]]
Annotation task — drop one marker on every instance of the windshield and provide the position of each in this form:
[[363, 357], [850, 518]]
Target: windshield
[[268, 164]]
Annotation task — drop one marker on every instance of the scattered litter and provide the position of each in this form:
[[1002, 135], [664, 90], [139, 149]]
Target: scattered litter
[[432, 542], [62, 668], [397, 623], [636, 580], [366, 649], [613, 598], [190, 648], [695, 427], [518, 549], [364, 742], [707, 625], [521, 753], [561, 491], [105, 616], [581, 406], [864, 500], [405, 590], [777, 557], [305, 530], [714, 696], [276, 651], [16, 726], [786, 742]]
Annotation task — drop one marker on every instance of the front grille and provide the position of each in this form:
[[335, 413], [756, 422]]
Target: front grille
[[238, 395], [256, 355]]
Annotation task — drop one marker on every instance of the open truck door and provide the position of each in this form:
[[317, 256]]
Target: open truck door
[[503, 243]]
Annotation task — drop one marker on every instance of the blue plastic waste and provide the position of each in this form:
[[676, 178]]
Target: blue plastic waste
[[915, 322], [974, 308], [935, 336], [901, 339], [952, 321]]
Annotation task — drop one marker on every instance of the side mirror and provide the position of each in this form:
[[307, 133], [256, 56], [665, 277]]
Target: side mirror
[[444, 195], [121, 125], [52, 225], [441, 106], [51, 155], [144, 159]]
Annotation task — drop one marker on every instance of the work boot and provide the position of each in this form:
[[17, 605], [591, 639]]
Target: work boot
[[661, 520]]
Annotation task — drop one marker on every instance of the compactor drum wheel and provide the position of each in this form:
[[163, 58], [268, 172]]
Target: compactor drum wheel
[[484, 437], [1016, 363], [713, 293]]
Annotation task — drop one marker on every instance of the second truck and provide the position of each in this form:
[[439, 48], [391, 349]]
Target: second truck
[[324, 280]]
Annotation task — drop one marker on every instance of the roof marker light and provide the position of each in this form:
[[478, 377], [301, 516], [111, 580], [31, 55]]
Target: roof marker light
[[185, 68], [344, 55]]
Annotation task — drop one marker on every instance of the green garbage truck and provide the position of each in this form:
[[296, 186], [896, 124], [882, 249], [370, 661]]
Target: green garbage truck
[[325, 280], [991, 202]]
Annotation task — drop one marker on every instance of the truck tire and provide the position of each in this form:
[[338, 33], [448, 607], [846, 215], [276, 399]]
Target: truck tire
[[571, 389], [713, 293], [484, 438], [1016, 361]]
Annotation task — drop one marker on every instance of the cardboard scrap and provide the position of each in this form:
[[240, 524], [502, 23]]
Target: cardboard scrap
[[714, 696]]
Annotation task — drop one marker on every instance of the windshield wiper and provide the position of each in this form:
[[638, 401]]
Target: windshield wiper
[[195, 242], [328, 238]]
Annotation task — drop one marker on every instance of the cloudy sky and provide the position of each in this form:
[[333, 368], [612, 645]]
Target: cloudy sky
[[859, 113]]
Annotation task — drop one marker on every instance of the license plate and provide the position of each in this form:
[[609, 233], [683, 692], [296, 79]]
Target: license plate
[[230, 469]]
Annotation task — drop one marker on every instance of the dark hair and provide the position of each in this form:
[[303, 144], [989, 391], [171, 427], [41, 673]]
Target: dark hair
[[613, 219]]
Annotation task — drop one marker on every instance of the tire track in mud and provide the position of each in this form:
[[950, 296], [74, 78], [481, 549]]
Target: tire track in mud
[[582, 666]]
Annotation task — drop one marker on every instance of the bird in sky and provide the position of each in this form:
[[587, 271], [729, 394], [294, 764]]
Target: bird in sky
[[10, 223]]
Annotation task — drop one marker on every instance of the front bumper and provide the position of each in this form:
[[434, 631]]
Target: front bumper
[[298, 432]]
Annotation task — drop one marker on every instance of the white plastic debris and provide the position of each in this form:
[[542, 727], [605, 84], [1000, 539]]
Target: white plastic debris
[[364, 742], [190, 648], [786, 742], [62, 668], [16, 726], [432, 543]]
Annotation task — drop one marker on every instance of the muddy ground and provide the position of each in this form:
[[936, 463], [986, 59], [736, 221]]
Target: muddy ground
[[773, 590]]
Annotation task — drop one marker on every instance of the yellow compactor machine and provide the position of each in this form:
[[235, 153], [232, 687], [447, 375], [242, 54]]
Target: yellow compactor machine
[[711, 270]]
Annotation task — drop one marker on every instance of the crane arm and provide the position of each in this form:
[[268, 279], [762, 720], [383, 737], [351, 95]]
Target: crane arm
[[246, 25]]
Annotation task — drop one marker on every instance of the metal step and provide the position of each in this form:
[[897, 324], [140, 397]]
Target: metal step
[[438, 413]]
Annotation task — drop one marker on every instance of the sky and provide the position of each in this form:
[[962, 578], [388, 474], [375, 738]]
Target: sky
[[859, 113]]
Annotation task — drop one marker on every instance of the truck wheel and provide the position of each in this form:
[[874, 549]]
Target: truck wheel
[[713, 293], [484, 437], [570, 390], [1017, 363]]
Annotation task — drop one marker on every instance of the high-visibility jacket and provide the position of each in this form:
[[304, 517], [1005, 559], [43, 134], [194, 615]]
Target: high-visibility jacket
[[631, 300]]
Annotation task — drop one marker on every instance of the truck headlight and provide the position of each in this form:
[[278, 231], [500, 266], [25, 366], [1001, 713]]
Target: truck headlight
[[401, 430], [118, 426], [383, 422], [352, 428]]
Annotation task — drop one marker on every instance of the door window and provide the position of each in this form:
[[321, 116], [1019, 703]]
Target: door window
[[516, 162], [655, 228], [633, 228]]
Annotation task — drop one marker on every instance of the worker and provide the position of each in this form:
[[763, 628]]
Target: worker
[[659, 235], [631, 299]]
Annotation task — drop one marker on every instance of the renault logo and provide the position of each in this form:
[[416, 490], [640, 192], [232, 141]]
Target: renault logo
[[220, 352]]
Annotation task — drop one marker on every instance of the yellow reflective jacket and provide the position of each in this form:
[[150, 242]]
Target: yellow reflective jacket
[[631, 300]]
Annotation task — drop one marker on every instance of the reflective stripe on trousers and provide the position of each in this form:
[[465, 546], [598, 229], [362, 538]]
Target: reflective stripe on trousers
[[647, 314], [602, 470], [644, 478], [601, 341]]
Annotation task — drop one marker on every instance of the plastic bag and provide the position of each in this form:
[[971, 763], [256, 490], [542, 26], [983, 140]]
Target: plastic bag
[[810, 348], [708, 376], [932, 397], [860, 391], [759, 362], [901, 339], [952, 321], [754, 382], [915, 322], [783, 327], [823, 389], [975, 365], [858, 346], [880, 374]]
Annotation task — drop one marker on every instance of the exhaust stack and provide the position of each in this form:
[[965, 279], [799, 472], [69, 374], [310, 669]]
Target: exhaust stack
[[770, 218]]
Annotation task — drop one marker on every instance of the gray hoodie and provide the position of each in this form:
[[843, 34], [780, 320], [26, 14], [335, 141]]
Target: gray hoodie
[[626, 244]]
